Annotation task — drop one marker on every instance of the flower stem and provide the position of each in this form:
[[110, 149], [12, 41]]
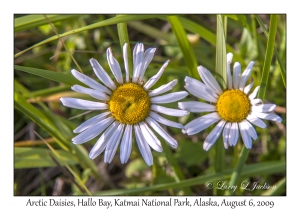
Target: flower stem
[[237, 171]]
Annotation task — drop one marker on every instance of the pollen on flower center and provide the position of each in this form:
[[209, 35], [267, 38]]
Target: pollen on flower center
[[129, 103], [233, 105]]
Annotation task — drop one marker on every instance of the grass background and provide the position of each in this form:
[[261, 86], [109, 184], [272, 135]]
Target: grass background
[[43, 61]]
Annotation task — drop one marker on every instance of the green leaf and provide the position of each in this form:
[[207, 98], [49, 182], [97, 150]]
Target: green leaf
[[67, 79], [28, 157], [150, 30], [208, 36], [282, 68], [221, 76], [187, 51], [221, 54], [268, 57], [46, 123], [33, 21], [249, 170], [280, 187], [111, 21], [123, 37]]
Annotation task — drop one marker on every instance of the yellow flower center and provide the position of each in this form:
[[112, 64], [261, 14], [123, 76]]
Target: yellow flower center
[[233, 105], [129, 104]]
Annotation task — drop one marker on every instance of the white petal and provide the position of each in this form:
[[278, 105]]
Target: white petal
[[103, 140], [94, 93], [143, 146], [156, 77], [213, 135], [201, 123], [138, 61], [256, 121], [200, 93], [253, 94], [197, 85], [102, 75], [148, 56], [126, 144], [165, 121], [150, 138], [113, 144], [229, 77], [267, 116], [195, 106], [256, 101], [89, 82], [93, 131], [83, 104], [90, 122], [209, 79], [264, 108], [250, 130], [245, 76], [196, 121], [125, 56], [169, 111], [236, 75], [169, 98], [114, 66], [226, 134], [234, 134], [248, 87], [171, 141], [246, 138], [163, 88]]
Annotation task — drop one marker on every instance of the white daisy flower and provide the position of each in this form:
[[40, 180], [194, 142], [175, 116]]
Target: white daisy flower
[[129, 107], [234, 108]]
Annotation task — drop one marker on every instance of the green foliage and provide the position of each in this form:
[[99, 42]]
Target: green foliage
[[42, 76]]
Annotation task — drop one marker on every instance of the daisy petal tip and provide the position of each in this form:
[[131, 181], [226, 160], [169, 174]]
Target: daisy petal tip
[[229, 57], [206, 146]]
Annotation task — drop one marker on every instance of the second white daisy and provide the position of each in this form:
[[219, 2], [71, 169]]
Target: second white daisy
[[234, 108], [129, 107]]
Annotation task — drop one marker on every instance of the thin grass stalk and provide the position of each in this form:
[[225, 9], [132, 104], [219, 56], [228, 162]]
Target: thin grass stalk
[[221, 77]]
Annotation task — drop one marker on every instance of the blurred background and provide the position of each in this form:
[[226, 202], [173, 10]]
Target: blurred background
[[40, 170]]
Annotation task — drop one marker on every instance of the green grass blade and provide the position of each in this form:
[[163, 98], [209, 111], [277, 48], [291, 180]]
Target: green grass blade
[[278, 190], [268, 57], [249, 170], [221, 76], [46, 123], [111, 21], [221, 54], [50, 91], [150, 30], [67, 79], [282, 67], [33, 21], [238, 169], [187, 51], [208, 36], [123, 38], [28, 157], [39, 118]]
